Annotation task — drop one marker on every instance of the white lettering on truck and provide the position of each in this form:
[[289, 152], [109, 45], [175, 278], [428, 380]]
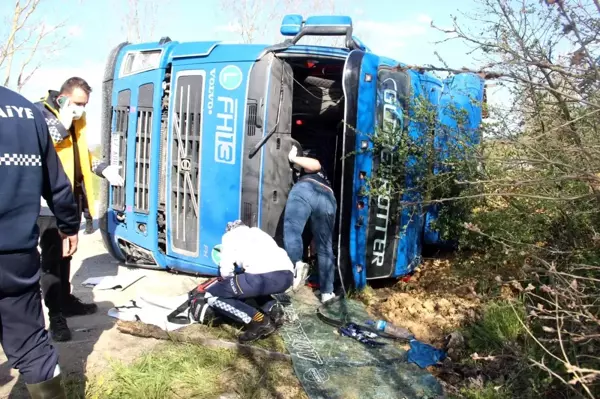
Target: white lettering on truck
[[211, 91], [225, 130], [390, 122]]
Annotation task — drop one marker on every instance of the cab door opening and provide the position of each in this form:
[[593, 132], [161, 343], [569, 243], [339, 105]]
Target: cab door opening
[[318, 108], [299, 105], [318, 111]]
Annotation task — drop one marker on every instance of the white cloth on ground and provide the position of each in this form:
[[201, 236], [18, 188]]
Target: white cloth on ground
[[153, 311]]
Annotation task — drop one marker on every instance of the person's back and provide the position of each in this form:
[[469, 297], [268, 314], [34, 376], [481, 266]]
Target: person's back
[[21, 172], [311, 198], [29, 169], [265, 270], [254, 250]]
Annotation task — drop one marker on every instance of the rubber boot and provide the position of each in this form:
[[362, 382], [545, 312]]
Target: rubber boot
[[51, 389]]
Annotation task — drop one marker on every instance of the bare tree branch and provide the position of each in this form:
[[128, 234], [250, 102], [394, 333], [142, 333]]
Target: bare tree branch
[[258, 20], [140, 18], [27, 37]]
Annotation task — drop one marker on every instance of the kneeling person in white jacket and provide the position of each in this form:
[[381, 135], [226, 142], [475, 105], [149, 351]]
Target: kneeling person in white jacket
[[252, 266]]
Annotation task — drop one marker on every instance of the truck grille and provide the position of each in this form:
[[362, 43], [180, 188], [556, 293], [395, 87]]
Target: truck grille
[[142, 160], [251, 119], [185, 163], [119, 153]]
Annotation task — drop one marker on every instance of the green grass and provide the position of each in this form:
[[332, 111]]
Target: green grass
[[190, 371], [487, 392], [500, 333], [498, 327]]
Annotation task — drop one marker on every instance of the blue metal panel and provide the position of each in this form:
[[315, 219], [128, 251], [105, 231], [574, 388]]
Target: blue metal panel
[[193, 49], [221, 148], [328, 20], [191, 53], [291, 25], [365, 128], [128, 231], [411, 221], [361, 44], [432, 88], [461, 92], [389, 62], [167, 55]]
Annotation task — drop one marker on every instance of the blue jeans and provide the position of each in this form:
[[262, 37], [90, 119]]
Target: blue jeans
[[308, 199]]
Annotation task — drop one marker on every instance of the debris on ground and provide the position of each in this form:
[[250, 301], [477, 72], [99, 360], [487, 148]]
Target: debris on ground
[[419, 306], [119, 282], [455, 346], [222, 337]]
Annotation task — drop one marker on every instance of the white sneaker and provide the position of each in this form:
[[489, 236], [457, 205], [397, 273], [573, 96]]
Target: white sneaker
[[327, 297], [301, 275]]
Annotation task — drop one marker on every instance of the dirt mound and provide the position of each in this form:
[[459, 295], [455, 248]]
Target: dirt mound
[[431, 304]]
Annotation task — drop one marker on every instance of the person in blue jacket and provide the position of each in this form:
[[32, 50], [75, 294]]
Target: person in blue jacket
[[29, 170]]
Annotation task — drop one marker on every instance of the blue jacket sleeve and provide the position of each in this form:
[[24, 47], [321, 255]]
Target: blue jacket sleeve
[[57, 190]]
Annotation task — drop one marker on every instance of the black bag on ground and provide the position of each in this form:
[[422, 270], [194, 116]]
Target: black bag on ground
[[198, 309]]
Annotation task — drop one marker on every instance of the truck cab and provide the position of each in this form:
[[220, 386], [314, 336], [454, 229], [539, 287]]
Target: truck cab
[[202, 132]]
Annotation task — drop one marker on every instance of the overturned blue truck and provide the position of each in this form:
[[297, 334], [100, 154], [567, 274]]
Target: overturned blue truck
[[202, 131]]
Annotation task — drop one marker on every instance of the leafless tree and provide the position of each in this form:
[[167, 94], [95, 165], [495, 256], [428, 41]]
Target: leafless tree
[[26, 40], [539, 191], [260, 20], [140, 18]]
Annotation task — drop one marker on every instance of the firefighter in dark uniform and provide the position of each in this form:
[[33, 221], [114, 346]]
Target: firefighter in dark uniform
[[29, 169]]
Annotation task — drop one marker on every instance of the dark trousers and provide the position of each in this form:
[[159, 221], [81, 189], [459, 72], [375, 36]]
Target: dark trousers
[[56, 270], [227, 296], [23, 335], [311, 201], [85, 204]]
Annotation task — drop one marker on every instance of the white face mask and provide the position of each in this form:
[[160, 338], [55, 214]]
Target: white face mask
[[78, 111]]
